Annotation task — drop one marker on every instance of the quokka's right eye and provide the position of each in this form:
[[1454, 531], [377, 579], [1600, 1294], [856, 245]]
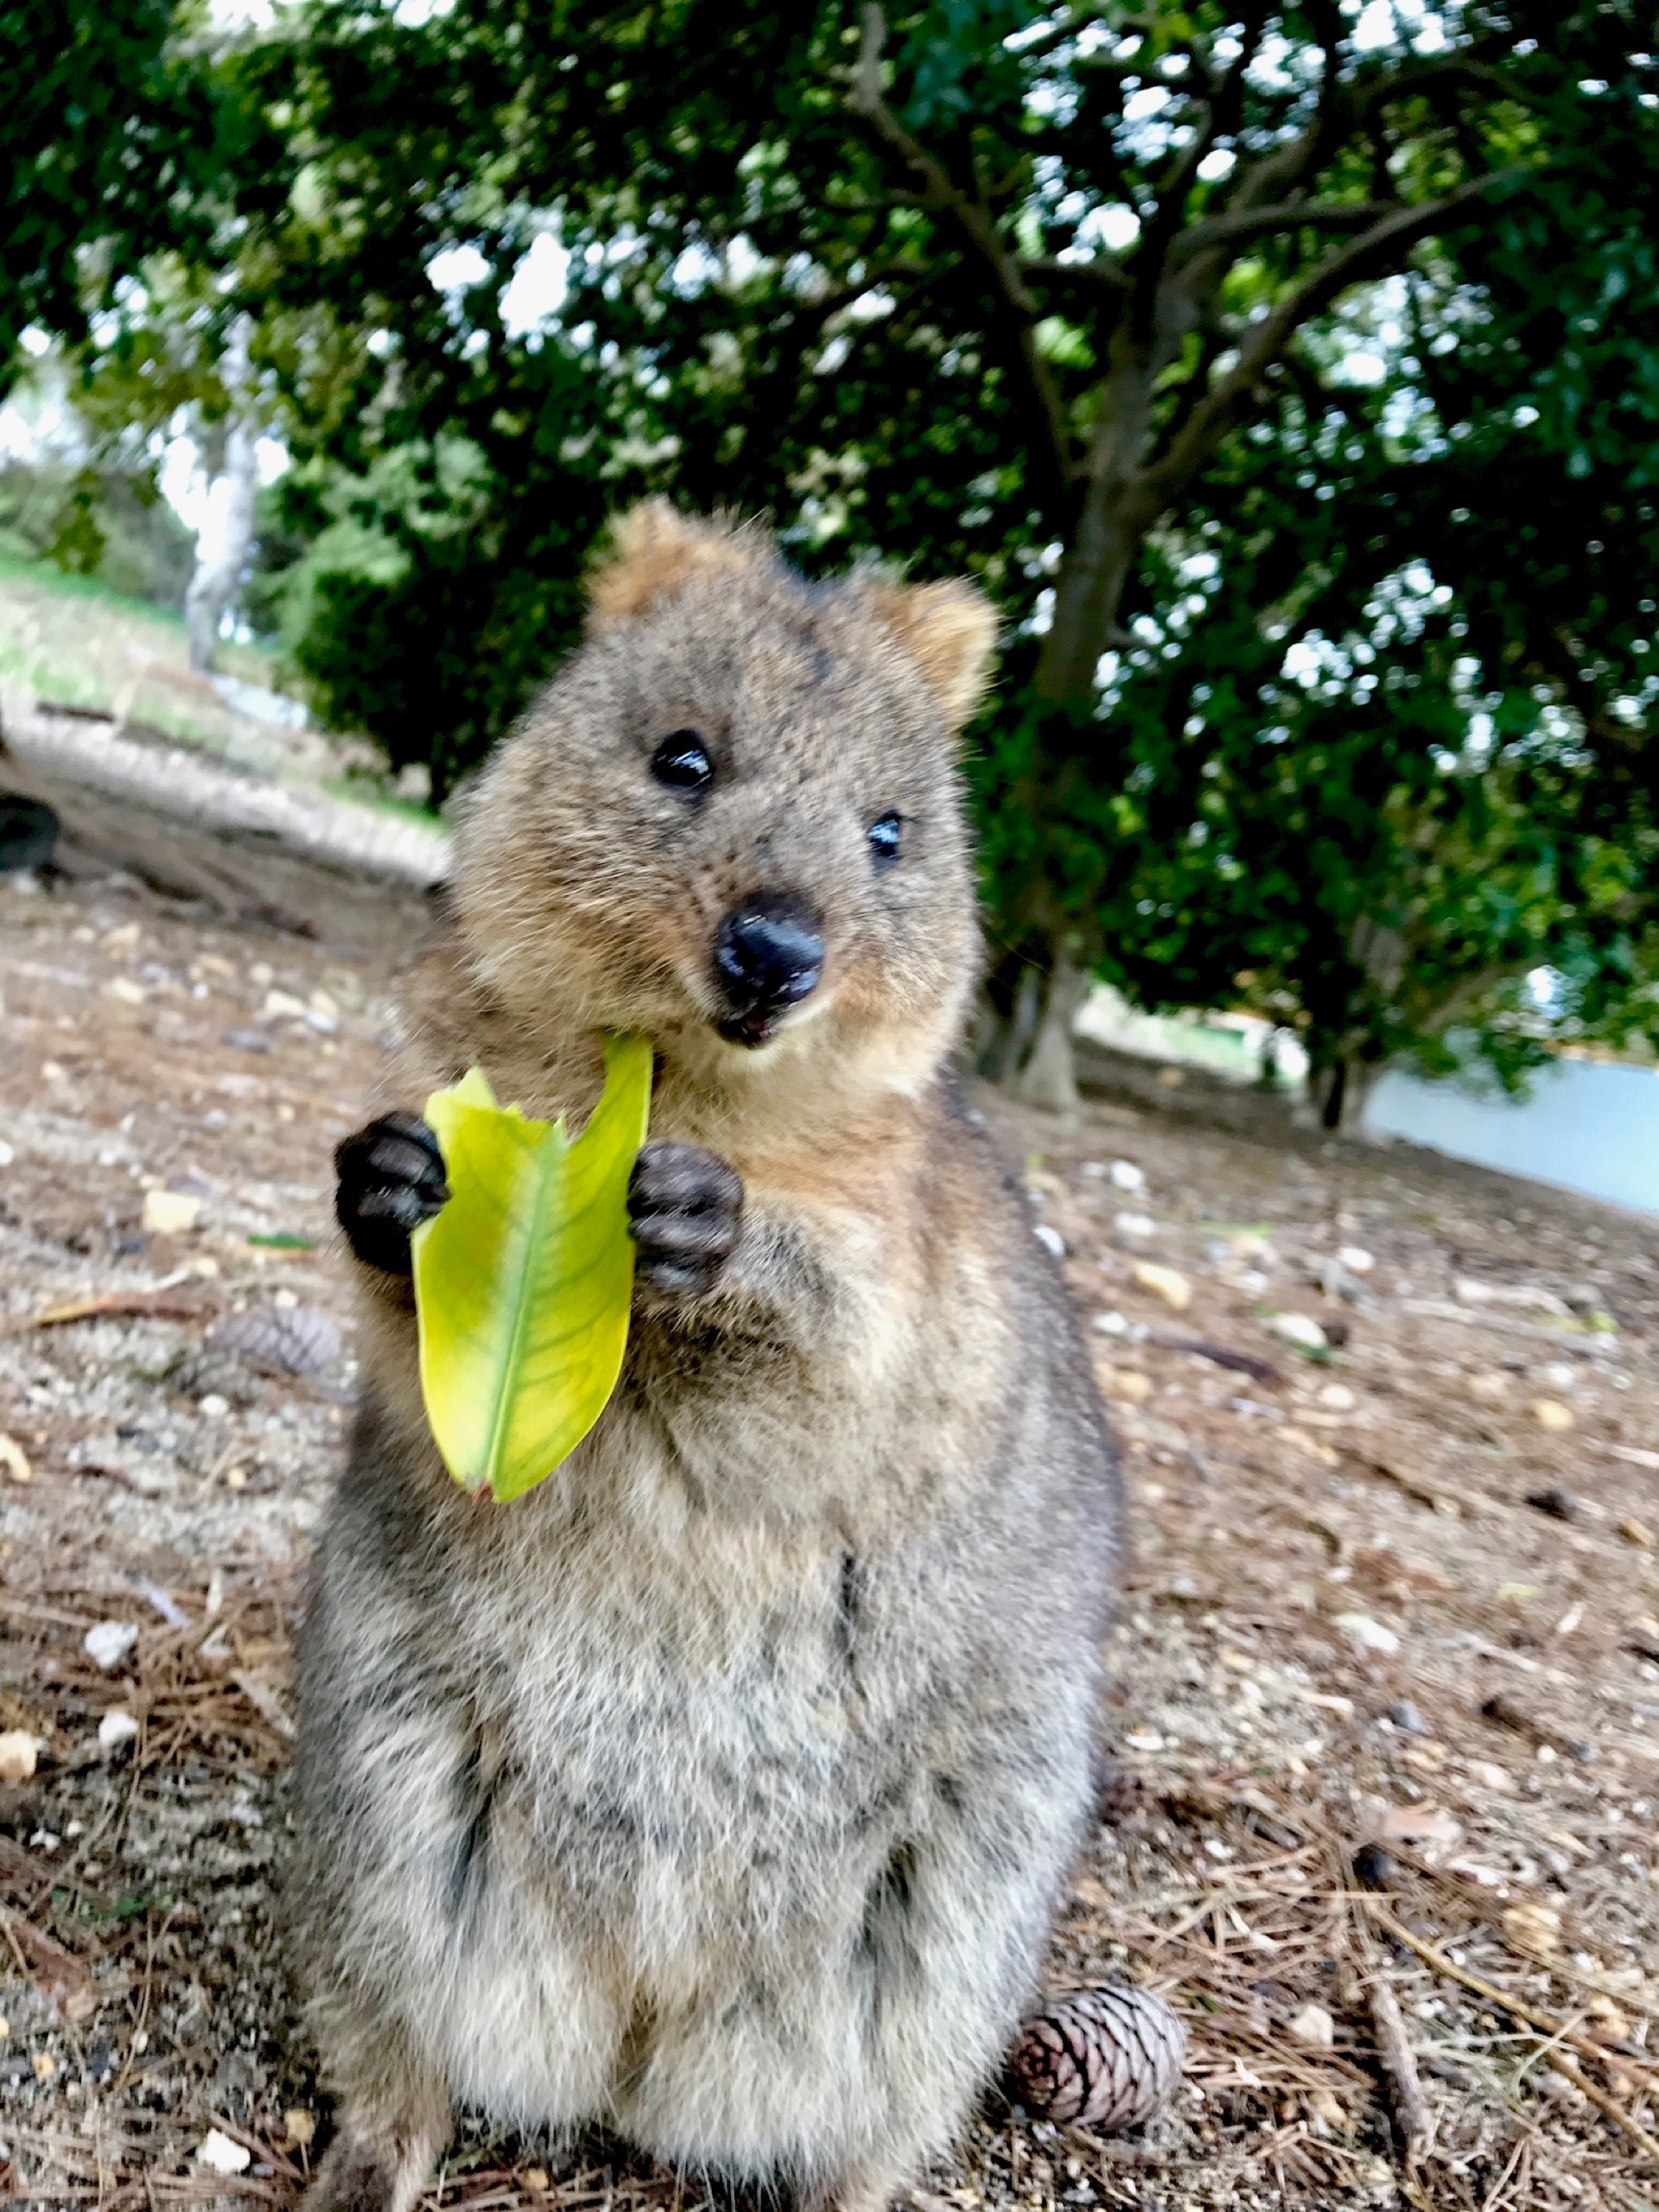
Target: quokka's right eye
[[681, 764]]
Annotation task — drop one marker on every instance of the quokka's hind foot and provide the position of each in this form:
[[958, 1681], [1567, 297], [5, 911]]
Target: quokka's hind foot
[[371, 2166]]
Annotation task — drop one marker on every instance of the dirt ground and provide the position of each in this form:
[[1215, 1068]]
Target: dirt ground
[[1396, 1595]]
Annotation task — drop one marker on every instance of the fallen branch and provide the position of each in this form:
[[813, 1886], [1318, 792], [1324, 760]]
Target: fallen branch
[[1410, 2106]]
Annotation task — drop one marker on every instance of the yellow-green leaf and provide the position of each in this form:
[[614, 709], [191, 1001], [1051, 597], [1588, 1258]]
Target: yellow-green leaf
[[524, 1280]]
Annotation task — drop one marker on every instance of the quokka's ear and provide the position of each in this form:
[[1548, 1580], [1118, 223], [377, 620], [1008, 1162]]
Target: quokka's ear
[[654, 551], [950, 631]]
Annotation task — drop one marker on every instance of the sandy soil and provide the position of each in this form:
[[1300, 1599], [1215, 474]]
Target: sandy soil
[[1400, 1591]]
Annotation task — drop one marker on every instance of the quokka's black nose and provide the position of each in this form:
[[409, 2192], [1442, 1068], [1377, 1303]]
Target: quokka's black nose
[[768, 956]]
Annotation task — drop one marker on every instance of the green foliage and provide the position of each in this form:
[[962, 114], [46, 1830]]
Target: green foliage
[[100, 521], [996, 291], [115, 137]]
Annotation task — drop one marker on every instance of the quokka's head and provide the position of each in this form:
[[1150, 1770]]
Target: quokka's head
[[733, 821]]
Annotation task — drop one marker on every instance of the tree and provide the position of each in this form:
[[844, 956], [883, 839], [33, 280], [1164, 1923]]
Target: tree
[[1014, 288], [114, 134]]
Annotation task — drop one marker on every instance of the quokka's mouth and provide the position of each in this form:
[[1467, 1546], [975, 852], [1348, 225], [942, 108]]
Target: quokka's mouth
[[757, 1027]]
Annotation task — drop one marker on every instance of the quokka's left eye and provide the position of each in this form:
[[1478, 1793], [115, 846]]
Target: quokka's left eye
[[886, 837]]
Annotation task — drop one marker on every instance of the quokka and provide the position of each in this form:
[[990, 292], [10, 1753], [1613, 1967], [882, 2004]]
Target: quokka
[[722, 1787]]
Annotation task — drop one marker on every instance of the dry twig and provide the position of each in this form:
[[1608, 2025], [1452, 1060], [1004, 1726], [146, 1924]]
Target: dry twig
[[1411, 2106]]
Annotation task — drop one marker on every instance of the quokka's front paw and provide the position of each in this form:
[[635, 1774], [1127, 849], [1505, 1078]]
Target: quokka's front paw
[[685, 1208], [390, 1181]]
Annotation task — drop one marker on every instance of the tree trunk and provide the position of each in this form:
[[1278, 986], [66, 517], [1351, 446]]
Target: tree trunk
[[218, 573], [1010, 1011], [217, 577], [1332, 1094], [1112, 518], [1049, 1078], [1086, 602]]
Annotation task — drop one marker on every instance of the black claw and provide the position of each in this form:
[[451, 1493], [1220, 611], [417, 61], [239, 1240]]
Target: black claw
[[685, 1208], [392, 1180]]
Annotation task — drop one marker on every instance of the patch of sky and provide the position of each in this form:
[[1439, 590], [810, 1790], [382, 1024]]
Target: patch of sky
[[456, 269], [533, 294], [696, 269]]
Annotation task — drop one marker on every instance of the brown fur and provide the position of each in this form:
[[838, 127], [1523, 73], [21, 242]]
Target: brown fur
[[721, 1788]]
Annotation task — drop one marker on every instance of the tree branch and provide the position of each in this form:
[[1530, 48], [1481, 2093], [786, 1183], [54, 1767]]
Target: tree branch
[[1264, 341], [1239, 224], [973, 218], [1109, 273], [1164, 222]]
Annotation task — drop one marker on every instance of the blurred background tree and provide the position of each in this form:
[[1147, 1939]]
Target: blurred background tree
[[1287, 374]]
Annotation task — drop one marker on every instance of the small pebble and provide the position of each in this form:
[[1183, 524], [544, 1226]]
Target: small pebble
[[116, 1729], [108, 1644], [220, 2155], [1551, 1413], [1338, 1398], [170, 1213], [1404, 1716], [1298, 1329], [1637, 1533], [1367, 1635], [19, 1754], [1126, 1176], [1355, 1259], [1373, 1868], [1135, 1224], [1313, 2028], [1126, 1384], [1167, 1283], [1049, 1237]]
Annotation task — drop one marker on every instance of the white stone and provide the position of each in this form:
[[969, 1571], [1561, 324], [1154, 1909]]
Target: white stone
[[1367, 1635], [19, 1750], [1355, 1259], [220, 2156], [170, 1213], [1050, 1238], [116, 1729], [1135, 1224], [1300, 1329], [108, 1644], [1313, 2028], [1126, 1176]]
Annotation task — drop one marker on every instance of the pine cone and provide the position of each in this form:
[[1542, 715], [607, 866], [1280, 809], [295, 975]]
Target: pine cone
[[280, 1340], [1103, 2058]]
